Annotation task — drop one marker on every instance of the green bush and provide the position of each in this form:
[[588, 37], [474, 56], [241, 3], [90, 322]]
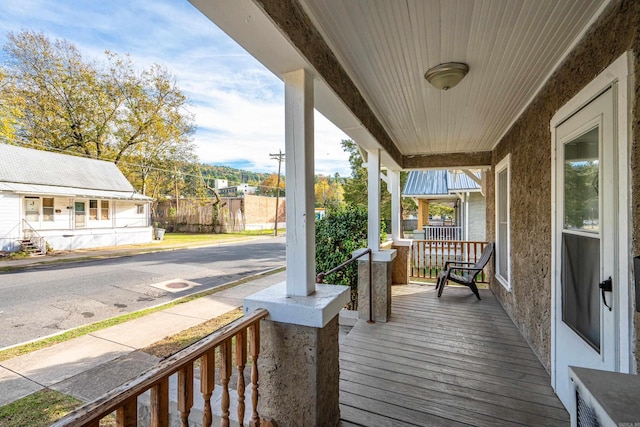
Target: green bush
[[338, 235]]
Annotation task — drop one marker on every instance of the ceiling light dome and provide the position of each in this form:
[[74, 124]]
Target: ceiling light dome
[[447, 75]]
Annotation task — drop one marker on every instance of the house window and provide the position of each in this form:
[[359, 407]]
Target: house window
[[47, 208], [104, 209], [140, 209], [503, 222], [93, 209]]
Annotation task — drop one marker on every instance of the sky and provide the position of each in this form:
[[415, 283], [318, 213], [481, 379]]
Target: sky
[[238, 104]]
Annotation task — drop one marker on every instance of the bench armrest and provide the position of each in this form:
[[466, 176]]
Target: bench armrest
[[447, 263]]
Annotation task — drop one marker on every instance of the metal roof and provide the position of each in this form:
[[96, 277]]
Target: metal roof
[[29, 166], [437, 183]]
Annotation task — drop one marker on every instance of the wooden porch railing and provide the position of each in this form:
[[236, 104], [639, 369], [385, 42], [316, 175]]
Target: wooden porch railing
[[123, 400], [445, 232], [429, 256]]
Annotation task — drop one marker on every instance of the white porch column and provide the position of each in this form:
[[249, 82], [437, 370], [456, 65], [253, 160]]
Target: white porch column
[[373, 187], [299, 170], [396, 218], [299, 362]]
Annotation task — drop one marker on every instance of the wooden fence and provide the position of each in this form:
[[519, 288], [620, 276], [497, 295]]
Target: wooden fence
[[429, 256]]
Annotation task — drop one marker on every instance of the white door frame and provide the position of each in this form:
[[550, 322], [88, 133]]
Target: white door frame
[[619, 72]]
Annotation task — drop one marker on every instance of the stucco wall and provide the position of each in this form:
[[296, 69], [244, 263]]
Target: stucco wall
[[529, 142]]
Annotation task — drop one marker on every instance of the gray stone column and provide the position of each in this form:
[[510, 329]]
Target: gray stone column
[[382, 271], [299, 374], [402, 262], [298, 364]]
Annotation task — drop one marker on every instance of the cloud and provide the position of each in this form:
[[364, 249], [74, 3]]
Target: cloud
[[238, 104]]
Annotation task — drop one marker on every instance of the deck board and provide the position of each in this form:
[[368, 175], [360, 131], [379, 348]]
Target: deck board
[[445, 361]]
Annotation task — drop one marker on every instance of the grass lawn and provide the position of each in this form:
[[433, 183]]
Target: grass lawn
[[39, 409], [44, 407]]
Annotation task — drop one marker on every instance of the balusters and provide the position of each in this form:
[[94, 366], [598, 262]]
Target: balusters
[[254, 349], [160, 403], [241, 361], [207, 383], [127, 414], [185, 393], [225, 375]]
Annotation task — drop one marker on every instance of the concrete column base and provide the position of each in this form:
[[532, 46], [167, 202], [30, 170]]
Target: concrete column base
[[298, 365], [299, 374], [382, 271]]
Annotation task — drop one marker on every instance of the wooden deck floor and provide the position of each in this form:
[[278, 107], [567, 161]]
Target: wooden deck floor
[[445, 361]]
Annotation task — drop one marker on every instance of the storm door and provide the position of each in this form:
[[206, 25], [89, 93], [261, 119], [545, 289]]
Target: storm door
[[80, 214], [585, 242]]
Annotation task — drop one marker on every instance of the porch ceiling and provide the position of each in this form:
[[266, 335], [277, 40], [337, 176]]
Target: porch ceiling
[[384, 48]]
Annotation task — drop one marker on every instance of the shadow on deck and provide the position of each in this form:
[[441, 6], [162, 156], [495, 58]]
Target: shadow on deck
[[444, 362]]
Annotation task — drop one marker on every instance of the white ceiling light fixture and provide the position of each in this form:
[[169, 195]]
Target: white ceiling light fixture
[[447, 75]]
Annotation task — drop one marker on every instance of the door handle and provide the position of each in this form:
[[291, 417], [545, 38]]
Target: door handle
[[606, 286]]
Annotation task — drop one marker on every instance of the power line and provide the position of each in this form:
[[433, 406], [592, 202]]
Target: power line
[[127, 163], [280, 158]]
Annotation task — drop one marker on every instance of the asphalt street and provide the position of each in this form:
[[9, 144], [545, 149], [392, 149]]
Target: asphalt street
[[40, 301]]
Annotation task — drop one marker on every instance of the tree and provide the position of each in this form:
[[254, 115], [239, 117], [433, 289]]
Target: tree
[[338, 234], [269, 185], [355, 188], [56, 100], [328, 192]]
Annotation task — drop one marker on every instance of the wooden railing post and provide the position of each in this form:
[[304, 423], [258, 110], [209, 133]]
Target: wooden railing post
[[241, 361], [160, 404], [127, 414], [225, 375], [185, 393], [207, 383], [254, 349]]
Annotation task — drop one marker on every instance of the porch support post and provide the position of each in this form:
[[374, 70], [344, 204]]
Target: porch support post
[[400, 266], [299, 361], [373, 187], [396, 219], [299, 144]]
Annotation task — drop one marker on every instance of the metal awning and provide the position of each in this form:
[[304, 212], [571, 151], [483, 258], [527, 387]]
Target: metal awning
[[51, 190]]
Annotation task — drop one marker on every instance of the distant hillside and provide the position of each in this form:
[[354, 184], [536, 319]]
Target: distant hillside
[[234, 176]]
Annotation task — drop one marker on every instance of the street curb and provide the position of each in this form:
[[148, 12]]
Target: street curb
[[177, 301], [124, 254]]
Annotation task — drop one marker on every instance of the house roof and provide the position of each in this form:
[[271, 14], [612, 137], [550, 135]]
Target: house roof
[[29, 171], [437, 183]]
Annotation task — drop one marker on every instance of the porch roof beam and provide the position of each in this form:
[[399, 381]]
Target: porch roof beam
[[480, 159]]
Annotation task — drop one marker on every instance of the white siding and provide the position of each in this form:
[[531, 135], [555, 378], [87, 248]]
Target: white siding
[[10, 221], [61, 219], [124, 226], [477, 217], [127, 216], [95, 238]]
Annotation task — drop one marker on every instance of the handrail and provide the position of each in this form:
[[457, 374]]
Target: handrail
[[40, 242], [320, 277], [123, 399]]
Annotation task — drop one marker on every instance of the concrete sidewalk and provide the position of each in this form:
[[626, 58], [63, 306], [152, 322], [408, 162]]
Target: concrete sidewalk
[[88, 366]]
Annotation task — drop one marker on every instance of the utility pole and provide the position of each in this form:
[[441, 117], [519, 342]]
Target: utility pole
[[280, 158]]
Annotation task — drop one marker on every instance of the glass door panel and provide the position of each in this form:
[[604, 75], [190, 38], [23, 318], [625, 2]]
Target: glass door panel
[[81, 215]]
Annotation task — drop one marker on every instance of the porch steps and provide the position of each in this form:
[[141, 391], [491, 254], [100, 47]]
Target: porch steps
[[31, 248]]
